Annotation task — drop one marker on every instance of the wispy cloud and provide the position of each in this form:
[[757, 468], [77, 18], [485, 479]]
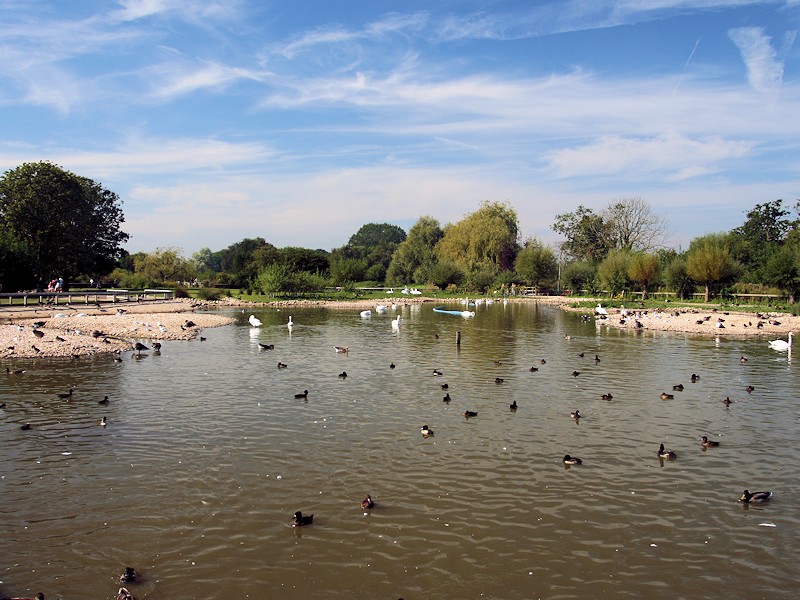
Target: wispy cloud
[[764, 70]]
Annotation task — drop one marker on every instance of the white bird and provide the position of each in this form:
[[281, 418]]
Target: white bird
[[599, 310], [467, 313], [380, 307], [255, 322], [366, 313], [290, 324], [782, 345], [396, 323]]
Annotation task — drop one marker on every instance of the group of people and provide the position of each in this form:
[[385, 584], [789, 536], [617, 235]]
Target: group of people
[[56, 285]]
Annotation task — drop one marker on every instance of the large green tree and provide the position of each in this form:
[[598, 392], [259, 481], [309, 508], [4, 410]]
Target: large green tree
[[587, 234], [413, 260], [67, 224], [761, 235], [709, 261], [486, 238], [536, 263], [644, 269], [164, 266]]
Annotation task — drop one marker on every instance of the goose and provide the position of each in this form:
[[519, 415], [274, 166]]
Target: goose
[[129, 575], [367, 502], [254, 321], [781, 345], [426, 431], [707, 443], [749, 497], [572, 460], [299, 520], [667, 454]]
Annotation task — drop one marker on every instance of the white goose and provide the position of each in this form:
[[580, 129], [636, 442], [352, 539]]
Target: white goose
[[782, 345]]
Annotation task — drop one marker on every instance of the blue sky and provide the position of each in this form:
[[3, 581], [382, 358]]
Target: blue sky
[[301, 121]]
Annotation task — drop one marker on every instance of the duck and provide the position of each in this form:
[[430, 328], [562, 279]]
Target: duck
[[104, 422], [606, 397], [513, 406], [392, 365], [26, 427], [695, 378], [343, 375], [575, 414], [572, 460], [14, 371], [727, 401], [104, 401], [66, 395], [139, 346], [426, 431], [342, 349], [576, 373], [749, 389], [445, 386], [124, 594], [129, 575], [157, 346], [707, 443], [678, 388], [282, 365], [533, 369], [499, 380], [470, 413], [749, 497], [437, 373], [303, 394], [667, 454], [38, 596], [367, 502], [666, 396], [743, 359], [299, 519], [447, 397], [266, 346]]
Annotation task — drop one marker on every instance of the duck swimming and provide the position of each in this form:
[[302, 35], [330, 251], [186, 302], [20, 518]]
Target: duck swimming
[[678, 388], [513, 405], [572, 460], [707, 443], [343, 375], [749, 497], [426, 431], [367, 502], [575, 415], [470, 413], [303, 394], [103, 401], [282, 365], [129, 575], [666, 396], [299, 520], [607, 397], [446, 398], [666, 454]]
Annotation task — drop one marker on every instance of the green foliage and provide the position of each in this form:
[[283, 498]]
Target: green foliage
[[485, 237], [677, 278], [279, 278], [644, 269], [122, 278], [66, 224], [413, 260], [761, 235], [613, 271], [587, 234], [344, 270], [446, 273], [482, 279], [372, 235], [536, 264], [709, 261], [208, 294], [579, 275], [164, 266], [783, 270], [304, 259], [16, 268]]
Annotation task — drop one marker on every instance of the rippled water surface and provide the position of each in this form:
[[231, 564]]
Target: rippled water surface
[[208, 453]]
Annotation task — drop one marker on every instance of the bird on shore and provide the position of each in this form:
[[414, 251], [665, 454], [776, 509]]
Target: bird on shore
[[367, 502], [666, 454], [303, 394], [572, 460], [38, 333], [299, 519], [749, 497], [707, 443]]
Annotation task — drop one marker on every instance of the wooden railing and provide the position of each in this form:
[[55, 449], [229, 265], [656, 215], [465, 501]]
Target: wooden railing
[[85, 297]]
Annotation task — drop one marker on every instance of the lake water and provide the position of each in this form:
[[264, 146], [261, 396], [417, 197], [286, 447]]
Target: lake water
[[208, 454]]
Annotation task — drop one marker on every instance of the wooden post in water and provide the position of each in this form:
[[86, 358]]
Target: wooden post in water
[[458, 339]]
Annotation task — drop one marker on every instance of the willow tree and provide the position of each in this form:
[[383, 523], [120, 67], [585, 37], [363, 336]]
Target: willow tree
[[644, 269], [536, 263], [68, 225], [487, 237], [709, 261]]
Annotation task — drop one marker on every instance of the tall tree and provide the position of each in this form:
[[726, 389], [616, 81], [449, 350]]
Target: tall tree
[[755, 241], [413, 260], [644, 269], [613, 271], [165, 265], [633, 226], [69, 225], [536, 263], [586, 232], [710, 262], [375, 234], [485, 238]]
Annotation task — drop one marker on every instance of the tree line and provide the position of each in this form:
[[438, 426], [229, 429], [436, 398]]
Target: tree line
[[55, 222]]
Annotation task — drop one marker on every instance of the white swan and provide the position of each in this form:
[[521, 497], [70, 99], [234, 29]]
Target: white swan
[[396, 323], [290, 324], [254, 321], [380, 307], [782, 345], [365, 314], [599, 310], [467, 313]]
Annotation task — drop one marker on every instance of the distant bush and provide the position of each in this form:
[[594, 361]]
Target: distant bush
[[181, 293], [208, 294]]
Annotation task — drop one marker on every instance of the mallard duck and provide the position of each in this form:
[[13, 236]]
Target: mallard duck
[[367, 502], [707, 443], [129, 575], [299, 520], [667, 454], [470, 413], [749, 497], [303, 394], [123, 594], [678, 388], [513, 405], [426, 431], [572, 460], [607, 397], [575, 414], [666, 396]]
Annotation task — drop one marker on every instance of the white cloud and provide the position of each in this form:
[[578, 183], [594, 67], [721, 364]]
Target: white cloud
[[764, 70]]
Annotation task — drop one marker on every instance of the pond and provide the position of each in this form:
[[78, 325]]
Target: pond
[[207, 454]]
